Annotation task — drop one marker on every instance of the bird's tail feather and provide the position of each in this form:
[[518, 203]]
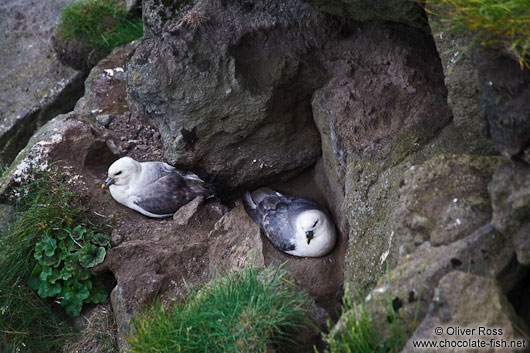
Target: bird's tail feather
[[248, 202]]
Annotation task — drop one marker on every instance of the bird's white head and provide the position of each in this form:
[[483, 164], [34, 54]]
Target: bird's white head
[[122, 171], [316, 228]]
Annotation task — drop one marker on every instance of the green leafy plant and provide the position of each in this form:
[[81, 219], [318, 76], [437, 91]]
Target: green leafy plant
[[503, 24], [243, 312], [45, 212], [64, 256], [102, 24]]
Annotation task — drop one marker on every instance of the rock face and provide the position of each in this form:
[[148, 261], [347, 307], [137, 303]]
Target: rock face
[[400, 11], [229, 87], [443, 200], [505, 101], [253, 93], [380, 110], [34, 86], [455, 304], [105, 87], [462, 82], [57, 138], [510, 195], [489, 93], [441, 223], [414, 280]]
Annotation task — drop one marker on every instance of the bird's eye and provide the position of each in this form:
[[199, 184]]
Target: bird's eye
[[118, 173], [314, 225]]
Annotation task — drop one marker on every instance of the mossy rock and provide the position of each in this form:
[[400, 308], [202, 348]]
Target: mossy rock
[[76, 53], [89, 30]]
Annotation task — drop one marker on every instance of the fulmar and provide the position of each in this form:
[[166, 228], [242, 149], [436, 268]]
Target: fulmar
[[155, 189], [295, 225]]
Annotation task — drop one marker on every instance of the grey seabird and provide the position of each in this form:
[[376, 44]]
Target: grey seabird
[[295, 225], [155, 189]]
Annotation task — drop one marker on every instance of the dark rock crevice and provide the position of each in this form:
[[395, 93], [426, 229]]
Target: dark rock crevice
[[14, 140], [519, 296]]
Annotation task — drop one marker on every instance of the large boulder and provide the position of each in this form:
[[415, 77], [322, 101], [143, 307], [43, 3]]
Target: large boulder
[[479, 308], [235, 242], [34, 86], [229, 85]]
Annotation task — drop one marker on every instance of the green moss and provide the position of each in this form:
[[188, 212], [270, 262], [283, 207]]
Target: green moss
[[403, 145], [101, 24]]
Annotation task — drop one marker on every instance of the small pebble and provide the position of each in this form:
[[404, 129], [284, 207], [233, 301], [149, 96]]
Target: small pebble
[[105, 119]]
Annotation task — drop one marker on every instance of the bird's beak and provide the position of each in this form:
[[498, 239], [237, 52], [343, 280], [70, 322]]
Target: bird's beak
[[108, 182], [309, 236]]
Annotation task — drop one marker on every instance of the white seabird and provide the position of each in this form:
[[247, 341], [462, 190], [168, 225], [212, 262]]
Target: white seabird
[[155, 189], [295, 225]]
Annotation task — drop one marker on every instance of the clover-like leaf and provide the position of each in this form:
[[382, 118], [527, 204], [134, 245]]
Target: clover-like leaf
[[100, 239], [74, 294], [65, 274], [57, 274], [62, 248], [70, 261], [47, 289], [46, 271], [53, 261], [78, 232], [78, 291], [98, 294], [91, 255], [60, 233], [45, 247], [73, 309], [81, 273]]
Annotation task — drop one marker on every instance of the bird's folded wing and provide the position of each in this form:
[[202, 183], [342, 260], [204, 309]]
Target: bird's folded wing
[[278, 227], [166, 195]]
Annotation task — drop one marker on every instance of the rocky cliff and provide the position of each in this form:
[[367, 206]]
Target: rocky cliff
[[421, 159]]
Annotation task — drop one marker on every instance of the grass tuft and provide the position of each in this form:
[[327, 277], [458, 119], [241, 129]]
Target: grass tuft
[[243, 312], [358, 332], [27, 322], [101, 23], [503, 24]]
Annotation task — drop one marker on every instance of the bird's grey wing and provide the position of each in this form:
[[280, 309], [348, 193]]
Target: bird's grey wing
[[259, 202], [278, 227], [168, 193], [270, 210]]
